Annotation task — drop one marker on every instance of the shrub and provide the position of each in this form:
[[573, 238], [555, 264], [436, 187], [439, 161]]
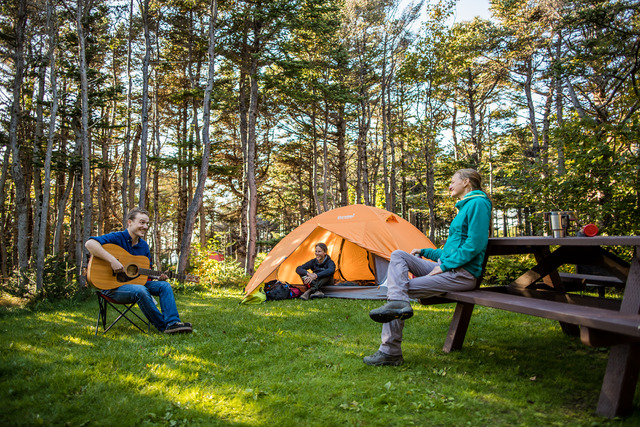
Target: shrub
[[60, 281], [503, 270], [227, 273]]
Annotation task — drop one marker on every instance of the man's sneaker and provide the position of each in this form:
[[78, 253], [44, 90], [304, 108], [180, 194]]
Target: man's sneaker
[[179, 327], [380, 358], [306, 295], [317, 294], [391, 311]]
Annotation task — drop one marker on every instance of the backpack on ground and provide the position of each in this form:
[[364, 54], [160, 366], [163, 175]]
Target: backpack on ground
[[277, 290]]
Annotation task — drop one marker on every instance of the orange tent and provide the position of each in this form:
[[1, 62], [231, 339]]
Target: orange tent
[[359, 238]]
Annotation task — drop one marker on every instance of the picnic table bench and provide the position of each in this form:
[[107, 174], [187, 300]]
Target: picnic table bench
[[544, 292]]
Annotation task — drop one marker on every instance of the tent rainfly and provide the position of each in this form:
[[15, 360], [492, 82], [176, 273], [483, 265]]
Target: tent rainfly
[[359, 238]]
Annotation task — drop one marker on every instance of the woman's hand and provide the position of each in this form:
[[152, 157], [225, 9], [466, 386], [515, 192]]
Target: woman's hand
[[436, 270], [416, 252]]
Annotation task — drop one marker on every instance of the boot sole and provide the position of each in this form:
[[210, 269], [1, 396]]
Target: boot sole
[[385, 363], [388, 316]]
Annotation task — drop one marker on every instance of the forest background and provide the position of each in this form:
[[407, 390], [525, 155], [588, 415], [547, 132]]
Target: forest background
[[234, 121]]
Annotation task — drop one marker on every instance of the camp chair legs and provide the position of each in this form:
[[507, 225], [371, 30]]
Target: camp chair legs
[[104, 302]]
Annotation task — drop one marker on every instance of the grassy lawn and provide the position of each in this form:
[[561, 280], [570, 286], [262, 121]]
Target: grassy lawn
[[293, 363]]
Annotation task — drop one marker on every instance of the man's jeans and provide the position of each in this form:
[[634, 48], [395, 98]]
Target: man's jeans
[[142, 295]]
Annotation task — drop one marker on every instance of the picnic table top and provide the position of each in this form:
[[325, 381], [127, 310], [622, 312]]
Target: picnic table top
[[565, 241]]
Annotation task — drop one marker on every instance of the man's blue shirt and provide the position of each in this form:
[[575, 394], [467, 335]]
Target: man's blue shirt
[[123, 239]]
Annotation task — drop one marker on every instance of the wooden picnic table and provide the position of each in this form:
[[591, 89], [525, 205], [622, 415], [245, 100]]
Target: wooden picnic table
[[543, 291]]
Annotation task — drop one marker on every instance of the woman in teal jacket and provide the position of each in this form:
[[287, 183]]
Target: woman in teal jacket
[[455, 267]]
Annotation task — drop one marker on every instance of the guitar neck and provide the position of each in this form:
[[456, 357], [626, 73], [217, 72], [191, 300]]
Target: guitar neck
[[151, 273]]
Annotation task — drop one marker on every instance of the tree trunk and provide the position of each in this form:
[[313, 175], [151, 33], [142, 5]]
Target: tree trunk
[[364, 123], [533, 125], [241, 249], [36, 162], [383, 108], [314, 163], [127, 137], [4, 238], [473, 120], [17, 172], [142, 202], [157, 150], [325, 160], [548, 105], [252, 187], [51, 25], [133, 167], [392, 150], [342, 157], [559, 103], [86, 167], [196, 202]]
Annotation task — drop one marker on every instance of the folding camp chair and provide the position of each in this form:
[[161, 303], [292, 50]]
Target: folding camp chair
[[104, 302]]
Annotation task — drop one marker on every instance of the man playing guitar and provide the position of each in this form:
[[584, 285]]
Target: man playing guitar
[[131, 240]]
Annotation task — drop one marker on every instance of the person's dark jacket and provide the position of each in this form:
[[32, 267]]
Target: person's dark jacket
[[326, 269]]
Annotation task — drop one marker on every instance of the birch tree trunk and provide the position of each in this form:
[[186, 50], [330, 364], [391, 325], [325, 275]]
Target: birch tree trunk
[[342, 157], [385, 124], [196, 202], [473, 120], [241, 249], [546, 124], [533, 125], [559, 106], [142, 202], [252, 187], [127, 138], [51, 25], [84, 131], [325, 160], [393, 185], [156, 148], [133, 166], [37, 160], [314, 165]]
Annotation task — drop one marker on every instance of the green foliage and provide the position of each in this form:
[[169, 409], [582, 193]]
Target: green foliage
[[501, 270], [227, 273], [59, 278], [292, 363]]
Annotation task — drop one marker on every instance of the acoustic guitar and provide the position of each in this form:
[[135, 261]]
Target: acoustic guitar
[[136, 270]]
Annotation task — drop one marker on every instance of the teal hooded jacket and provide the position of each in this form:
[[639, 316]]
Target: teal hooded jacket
[[468, 235]]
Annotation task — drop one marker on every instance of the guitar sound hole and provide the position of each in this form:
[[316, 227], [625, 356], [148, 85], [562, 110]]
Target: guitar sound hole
[[131, 270]]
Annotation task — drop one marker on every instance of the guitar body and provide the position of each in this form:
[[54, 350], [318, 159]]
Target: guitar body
[[100, 274]]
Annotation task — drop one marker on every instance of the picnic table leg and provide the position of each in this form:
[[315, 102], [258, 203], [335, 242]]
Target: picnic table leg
[[619, 383], [458, 327]]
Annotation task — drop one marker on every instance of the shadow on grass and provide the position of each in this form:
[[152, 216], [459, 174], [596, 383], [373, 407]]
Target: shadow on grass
[[292, 363]]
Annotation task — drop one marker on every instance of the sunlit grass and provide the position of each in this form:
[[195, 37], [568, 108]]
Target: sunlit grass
[[293, 363]]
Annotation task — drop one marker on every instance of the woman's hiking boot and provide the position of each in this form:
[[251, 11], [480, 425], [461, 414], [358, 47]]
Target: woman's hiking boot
[[380, 358], [391, 311], [306, 294]]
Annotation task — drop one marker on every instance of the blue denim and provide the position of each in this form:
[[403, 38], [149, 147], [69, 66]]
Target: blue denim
[[142, 296]]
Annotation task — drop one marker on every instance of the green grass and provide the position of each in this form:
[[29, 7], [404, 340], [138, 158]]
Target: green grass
[[293, 363]]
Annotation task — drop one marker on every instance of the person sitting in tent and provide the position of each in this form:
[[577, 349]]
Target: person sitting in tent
[[322, 268], [459, 264]]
